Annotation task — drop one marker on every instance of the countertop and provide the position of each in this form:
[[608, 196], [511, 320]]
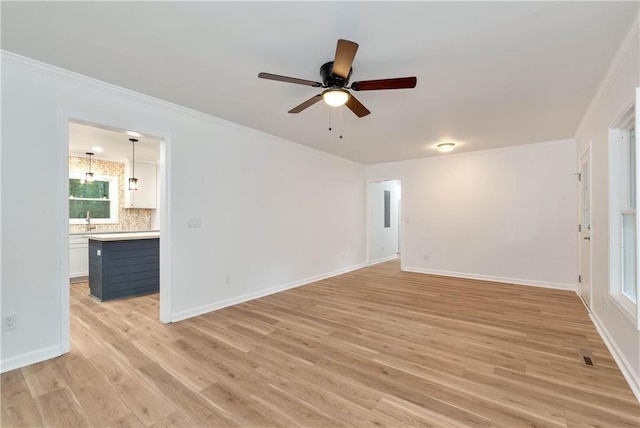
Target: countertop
[[129, 236], [103, 232]]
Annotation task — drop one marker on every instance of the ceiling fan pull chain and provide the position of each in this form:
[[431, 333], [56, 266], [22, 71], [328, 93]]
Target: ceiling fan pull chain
[[340, 122], [329, 119]]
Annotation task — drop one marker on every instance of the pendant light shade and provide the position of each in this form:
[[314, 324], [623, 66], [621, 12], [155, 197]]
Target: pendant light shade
[[88, 176], [133, 181]]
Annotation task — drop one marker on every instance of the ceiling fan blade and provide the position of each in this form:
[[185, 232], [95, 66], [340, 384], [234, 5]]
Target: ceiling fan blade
[[357, 107], [289, 79], [311, 101], [345, 53], [375, 85]]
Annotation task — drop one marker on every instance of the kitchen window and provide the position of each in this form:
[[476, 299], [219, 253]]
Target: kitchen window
[[99, 198]]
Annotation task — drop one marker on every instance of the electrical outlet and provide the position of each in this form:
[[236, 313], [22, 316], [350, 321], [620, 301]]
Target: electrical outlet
[[227, 279], [426, 258], [9, 322], [604, 303]]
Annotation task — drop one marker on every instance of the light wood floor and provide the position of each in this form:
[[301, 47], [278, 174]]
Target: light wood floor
[[372, 347]]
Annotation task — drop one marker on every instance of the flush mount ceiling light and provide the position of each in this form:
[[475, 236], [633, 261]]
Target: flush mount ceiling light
[[445, 147], [335, 97], [97, 149], [134, 134], [88, 177], [133, 181]]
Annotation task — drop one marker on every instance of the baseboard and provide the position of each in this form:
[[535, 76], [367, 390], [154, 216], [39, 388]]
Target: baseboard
[[630, 376], [79, 278], [517, 281], [382, 260], [179, 316], [30, 358]]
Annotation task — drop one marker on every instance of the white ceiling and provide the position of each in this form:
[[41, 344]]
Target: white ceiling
[[115, 144], [490, 74]]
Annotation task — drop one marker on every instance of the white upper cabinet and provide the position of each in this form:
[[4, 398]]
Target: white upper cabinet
[[147, 194]]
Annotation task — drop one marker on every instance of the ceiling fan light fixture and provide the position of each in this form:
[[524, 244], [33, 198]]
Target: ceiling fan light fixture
[[335, 97], [445, 147]]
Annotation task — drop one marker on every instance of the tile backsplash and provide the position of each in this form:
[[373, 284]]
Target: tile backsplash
[[129, 218]]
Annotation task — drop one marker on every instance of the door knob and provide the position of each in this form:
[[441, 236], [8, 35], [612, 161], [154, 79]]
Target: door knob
[[587, 238]]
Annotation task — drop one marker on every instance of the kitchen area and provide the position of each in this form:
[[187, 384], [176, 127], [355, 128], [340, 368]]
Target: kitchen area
[[114, 217]]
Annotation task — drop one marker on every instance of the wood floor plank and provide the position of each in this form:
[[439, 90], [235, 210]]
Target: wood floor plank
[[13, 383], [178, 365], [236, 400], [297, 409], [43, 378], [18, 406], [59, 408], [193, 405], [176, 419], [373, 347], [20, 410], [409, 414], [149, 405]]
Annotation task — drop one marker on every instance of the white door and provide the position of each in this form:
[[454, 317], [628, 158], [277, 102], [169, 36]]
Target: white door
[[584, 229]]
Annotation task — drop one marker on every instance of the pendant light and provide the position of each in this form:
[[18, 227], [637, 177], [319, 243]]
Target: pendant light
[[88, 176], [133, 181]]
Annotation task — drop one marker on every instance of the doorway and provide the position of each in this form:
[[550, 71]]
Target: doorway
[[584, 228], [112, 166], [384, 206]]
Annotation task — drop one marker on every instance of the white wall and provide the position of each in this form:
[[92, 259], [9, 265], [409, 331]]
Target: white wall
[[274, 213], [383, 241], [616, 93], [504, 215]]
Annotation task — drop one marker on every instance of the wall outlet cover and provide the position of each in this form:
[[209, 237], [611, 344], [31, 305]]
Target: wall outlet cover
[[9, 322]]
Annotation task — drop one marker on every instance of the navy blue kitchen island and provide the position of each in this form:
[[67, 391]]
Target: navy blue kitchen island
[[124, 264]]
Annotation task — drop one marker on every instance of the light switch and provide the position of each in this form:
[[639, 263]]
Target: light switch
[[98, 252], [194, 223]]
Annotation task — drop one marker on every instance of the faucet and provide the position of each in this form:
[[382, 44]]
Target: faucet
[[88, 218]]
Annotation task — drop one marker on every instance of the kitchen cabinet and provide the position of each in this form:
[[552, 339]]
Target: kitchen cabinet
[[147, 194], [78, 256]]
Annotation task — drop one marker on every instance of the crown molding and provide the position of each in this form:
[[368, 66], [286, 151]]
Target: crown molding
[[630, 42], [23, 61]]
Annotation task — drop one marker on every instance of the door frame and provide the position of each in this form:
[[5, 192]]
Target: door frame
[[64, 117], [586, 152], [368, 217]]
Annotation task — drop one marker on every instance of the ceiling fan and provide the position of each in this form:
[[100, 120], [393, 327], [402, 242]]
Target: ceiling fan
[[335, 78]]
